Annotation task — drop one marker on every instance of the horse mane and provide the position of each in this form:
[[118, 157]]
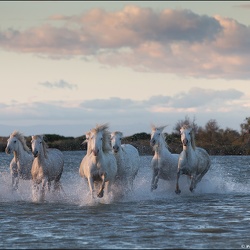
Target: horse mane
[[21, 138], [106, 145], [118, 133], [158, 127], [87, 134], [185, 126], [45, 146]]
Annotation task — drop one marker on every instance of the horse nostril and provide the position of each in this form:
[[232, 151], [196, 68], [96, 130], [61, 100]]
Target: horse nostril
[[35, 153]]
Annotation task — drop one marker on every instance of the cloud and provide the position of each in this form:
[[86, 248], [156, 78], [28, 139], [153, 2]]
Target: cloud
[[243, 6], [198, 97], [61, 84], [130, 115], [168, 41]]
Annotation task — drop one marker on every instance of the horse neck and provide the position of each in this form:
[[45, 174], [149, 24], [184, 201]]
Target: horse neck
[[120, 154], [161, 148], [42, 156], [19, 154], [188, 150]]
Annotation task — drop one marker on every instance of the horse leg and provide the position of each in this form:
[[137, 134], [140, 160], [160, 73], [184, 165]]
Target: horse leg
[[49, 185], [155, 179], [177, 190], [91, 186], [103, 177], [35, 189], [17, 182], [193, 183], [14, 181], [44, 182], [201, 175]]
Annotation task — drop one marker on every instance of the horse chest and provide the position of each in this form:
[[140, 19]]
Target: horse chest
[[188, 163]]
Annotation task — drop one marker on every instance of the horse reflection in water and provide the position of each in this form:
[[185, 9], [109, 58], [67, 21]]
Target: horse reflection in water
[[164, 164], [20, 166], [47, 167], [193, 161], [99, 165]]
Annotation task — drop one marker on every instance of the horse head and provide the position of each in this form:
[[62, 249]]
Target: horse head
[[116, 138], [38, 145], [95, 142], [186, 135], [156, 134], [12, 144], [99, 139]]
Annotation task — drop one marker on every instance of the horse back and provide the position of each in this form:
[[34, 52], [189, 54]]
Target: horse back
[[132, 156]]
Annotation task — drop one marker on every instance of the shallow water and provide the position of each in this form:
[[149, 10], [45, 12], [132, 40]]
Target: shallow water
[[216, 215]]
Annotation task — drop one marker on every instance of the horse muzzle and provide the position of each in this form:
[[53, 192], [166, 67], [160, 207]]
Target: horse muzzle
[[35, 153], [185, 142], [7, 150], [152, 143], [95, 152], [115, 149]]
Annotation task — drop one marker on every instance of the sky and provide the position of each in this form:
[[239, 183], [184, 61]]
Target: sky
[[67, 66]]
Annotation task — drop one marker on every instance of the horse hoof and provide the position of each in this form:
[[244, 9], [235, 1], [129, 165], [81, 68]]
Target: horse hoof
[[100, 195], [178, 191], [154, 187]]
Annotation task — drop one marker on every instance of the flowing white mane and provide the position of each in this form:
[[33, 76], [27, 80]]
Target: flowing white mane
[[106, 146], [21, 138], [118, 133]]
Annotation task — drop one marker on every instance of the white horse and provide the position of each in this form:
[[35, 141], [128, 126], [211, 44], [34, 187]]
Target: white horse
[[193, 161], [164, 164], [128, 160], [20, 166], [99, 165], [47, 166], [85, 159]]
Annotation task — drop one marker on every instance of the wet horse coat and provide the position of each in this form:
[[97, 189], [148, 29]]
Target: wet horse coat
[[20, 166], [99, 165], [164, 164], [47, 166], [193, 161]]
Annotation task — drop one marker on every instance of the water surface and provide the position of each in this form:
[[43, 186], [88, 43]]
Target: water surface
[[216, 215]]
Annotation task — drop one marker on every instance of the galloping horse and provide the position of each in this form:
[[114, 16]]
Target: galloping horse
[[47, 166], [128, 160], [164, 164], [99, 165], [81, 168], [20, 166], [193, 161]]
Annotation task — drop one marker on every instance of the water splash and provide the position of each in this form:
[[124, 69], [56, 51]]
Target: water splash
[[223, 177]]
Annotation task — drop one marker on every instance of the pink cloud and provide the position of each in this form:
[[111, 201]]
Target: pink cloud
[[171, 41]]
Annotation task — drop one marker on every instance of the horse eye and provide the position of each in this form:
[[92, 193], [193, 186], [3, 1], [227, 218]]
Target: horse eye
[[14, 141]]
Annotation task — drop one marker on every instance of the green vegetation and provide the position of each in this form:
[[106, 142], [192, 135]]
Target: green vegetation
[[211, 137]]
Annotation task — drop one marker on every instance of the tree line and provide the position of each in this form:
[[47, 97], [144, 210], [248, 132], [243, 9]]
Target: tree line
[[215, 140]]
